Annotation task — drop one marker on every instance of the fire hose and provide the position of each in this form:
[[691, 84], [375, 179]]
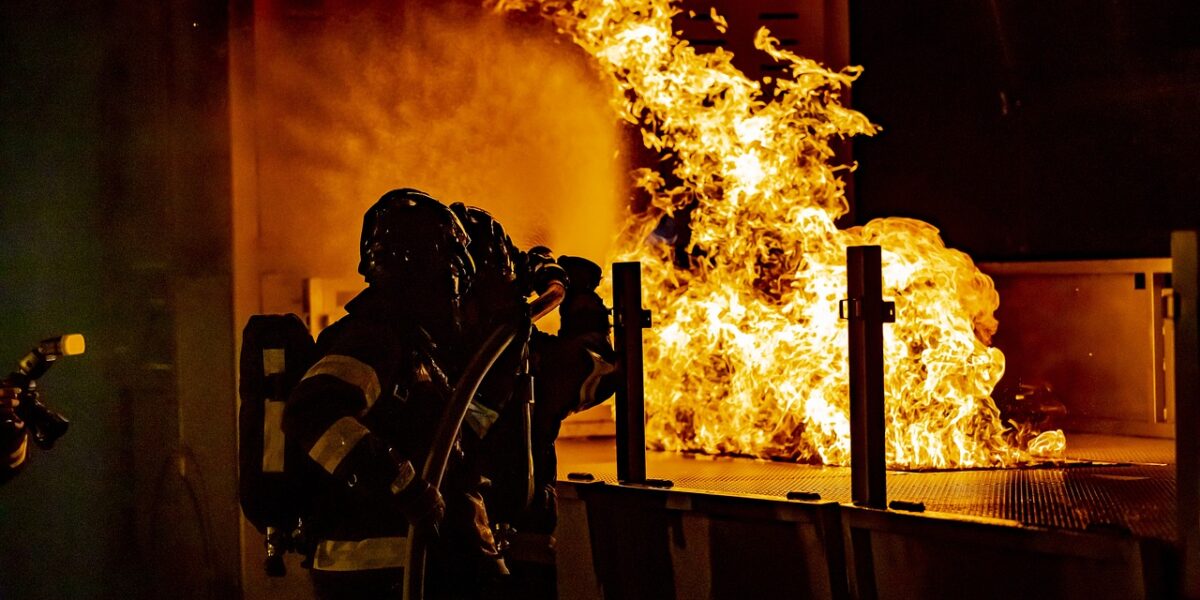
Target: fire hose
[[464, 391]]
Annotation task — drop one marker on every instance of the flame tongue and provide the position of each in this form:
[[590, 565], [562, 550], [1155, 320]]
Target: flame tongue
[[748, 355]]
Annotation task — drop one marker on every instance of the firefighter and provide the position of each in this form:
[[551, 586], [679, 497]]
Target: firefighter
[[14, 440], [505, 277], [367, 410], [573, 371], [577, 370]]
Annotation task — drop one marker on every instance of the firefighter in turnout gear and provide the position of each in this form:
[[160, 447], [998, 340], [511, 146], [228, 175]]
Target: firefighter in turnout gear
[[367, 409], [512, 443], [573, 371]]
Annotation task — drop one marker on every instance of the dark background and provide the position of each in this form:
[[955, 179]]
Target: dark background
[[1030, 129], [114, 222], [1024, 129]]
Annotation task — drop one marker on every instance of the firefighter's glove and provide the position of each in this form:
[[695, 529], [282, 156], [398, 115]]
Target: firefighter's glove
[[582, 310], [584, 274], [541, 269], [421, 504]]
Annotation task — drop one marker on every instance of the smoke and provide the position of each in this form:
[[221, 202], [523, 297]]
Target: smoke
[[443, 97]]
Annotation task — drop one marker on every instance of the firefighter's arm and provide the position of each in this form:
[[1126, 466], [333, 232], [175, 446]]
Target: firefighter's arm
[[322, 416], [14, 439], [584, 333], [576, 369]]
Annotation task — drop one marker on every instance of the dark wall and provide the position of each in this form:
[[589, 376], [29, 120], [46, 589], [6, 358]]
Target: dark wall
[[61, 521], [1028, 129], [114, 222]]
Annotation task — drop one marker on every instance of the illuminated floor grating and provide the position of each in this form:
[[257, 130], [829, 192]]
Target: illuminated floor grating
[[1137, 495]]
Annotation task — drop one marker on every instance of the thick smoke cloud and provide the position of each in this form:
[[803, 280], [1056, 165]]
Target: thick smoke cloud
[[447, 98]]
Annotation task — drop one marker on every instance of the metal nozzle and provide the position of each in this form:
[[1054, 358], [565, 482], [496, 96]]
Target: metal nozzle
[[71, 344], [45, 425], [39, 360]]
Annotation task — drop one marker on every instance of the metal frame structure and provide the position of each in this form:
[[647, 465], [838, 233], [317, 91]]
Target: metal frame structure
[[1129, 375], [873, 539], [1185, 278], [866, 312], [629, 318]]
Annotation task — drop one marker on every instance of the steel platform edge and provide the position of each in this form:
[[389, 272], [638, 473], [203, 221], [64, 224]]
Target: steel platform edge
[[640, 541]]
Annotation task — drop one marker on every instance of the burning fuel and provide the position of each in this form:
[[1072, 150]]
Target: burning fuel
[[748, 355]]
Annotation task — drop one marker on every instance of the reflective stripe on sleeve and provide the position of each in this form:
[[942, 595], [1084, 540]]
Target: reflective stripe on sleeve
[[371, 553], [17, 458], [480, 418], [404, 477], [350, 370], [600, 368], [337, 442]]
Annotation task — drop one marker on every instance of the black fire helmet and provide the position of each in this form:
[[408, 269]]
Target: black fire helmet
[[490, 246], [410, 239]]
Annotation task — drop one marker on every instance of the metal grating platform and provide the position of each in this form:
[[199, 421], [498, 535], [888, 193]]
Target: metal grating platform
[[1136, 495]]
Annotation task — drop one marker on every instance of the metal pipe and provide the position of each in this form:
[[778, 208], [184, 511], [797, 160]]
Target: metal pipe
[[628, 320], [1185, 279], [547, 301], [866, 312]]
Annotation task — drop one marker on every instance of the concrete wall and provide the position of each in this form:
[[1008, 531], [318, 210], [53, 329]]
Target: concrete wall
[[114, 222], [54, 518]]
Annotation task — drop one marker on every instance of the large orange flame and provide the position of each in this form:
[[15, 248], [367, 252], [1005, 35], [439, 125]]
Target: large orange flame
[[748, 355]]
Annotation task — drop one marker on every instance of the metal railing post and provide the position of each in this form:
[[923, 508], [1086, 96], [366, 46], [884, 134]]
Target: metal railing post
[[629, 318], [866, 311], [1185, 279]]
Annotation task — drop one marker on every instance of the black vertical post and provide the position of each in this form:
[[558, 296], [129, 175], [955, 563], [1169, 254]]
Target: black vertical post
[[867, 312], [1185, 279], [628, 320]]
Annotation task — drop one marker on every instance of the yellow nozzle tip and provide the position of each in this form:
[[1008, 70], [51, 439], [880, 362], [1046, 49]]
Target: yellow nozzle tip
[[73, 344]]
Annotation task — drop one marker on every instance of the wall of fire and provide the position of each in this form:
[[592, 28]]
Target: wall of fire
[[170, 168]]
